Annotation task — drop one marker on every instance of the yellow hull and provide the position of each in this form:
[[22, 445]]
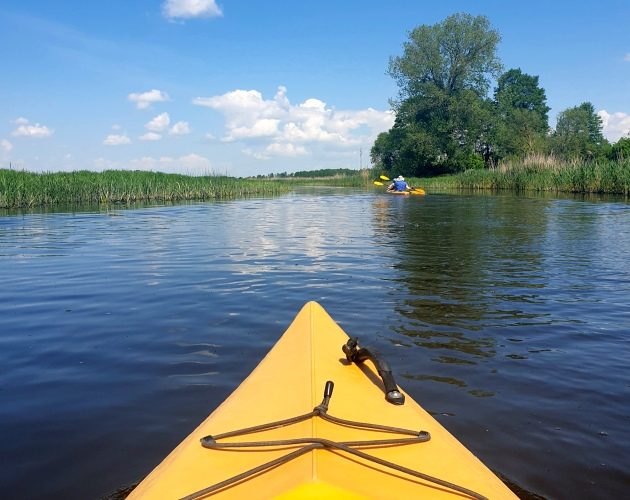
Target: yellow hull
[[290, 381], [418, 191]]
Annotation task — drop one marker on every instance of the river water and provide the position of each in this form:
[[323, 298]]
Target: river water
[[507, 317]]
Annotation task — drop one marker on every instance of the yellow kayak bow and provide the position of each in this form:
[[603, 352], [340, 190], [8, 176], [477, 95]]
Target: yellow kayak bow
[[328, 435]]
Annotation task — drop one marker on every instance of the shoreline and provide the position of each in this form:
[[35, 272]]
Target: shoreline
[[597, 177], [23, 189]]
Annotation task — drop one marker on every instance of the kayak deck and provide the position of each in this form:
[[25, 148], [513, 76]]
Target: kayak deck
[[290, 381]]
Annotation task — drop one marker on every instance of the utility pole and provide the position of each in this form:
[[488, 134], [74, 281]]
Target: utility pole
[[360, 158]]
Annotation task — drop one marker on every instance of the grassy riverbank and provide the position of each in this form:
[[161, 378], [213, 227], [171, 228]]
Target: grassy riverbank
[[542, 174], [20, 189], [27, 189]]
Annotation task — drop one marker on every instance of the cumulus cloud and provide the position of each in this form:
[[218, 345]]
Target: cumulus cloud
[[278, 149], [264, 127], [145, 99], [116, 140], [190, 8], [159, 123], [288, 127], [150, 136], [180, 128], [6, 145], [25, 129], [246, 113], [615, 125]]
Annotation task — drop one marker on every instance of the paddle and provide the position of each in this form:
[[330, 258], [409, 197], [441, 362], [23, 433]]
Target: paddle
[[383, 177]]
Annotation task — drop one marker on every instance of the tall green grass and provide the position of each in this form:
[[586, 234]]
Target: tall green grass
[[28, 189], [543, 174]]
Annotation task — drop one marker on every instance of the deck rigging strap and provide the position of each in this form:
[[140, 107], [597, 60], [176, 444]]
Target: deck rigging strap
[[313, 443]]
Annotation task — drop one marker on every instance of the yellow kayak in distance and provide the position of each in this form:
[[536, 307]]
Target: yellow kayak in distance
[[417, 191], [320, 417]]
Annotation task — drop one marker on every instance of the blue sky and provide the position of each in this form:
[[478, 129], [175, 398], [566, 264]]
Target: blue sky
[[245, 88]]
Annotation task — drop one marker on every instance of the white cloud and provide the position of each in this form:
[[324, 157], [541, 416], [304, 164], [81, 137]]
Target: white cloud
[[627, 57], [150, 136], [6, 145], [265, 127], [116, 140], [24, 129], [145, 99], [278, 149], [248, 116], [615, 125], [246, 113], [180, 128], [191, 8], [159, 123]]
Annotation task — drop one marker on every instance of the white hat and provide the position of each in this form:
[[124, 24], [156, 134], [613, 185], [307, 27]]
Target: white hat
[[399, 178]]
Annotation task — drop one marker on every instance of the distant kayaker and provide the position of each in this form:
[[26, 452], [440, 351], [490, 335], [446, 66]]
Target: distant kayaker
[[399, 184]]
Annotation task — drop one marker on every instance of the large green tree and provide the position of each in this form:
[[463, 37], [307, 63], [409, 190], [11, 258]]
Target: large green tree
[[522, 123], [433, 135], [442, 115], [578, 133], [457, 54]]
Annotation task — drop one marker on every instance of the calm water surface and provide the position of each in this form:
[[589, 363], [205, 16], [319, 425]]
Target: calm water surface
[[506, 317]]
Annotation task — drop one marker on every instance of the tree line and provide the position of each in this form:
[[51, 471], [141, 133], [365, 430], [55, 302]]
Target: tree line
[[447, 121]]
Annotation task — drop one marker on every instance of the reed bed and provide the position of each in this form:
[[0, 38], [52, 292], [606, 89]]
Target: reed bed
[[543, 174], [28, 189], [21, 189]]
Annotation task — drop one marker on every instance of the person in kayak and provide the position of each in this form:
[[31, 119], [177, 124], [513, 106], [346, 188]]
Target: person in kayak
[[399, 184]]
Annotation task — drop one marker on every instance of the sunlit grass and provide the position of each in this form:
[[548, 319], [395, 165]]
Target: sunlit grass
[[28, 189], [20, 189], [542, 174]]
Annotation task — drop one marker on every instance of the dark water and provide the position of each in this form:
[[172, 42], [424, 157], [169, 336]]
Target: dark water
[[506, 317]]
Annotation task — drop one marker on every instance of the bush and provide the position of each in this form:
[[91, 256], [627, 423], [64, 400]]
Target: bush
[[475, 162]]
